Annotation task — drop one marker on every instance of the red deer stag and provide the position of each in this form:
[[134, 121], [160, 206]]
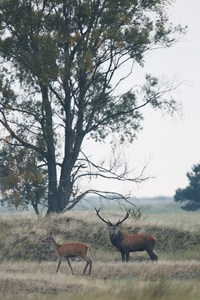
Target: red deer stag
[[129, 242], [68, 250]]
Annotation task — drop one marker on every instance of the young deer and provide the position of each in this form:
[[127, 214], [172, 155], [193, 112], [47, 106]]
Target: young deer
[[129, 242], [68, 250]]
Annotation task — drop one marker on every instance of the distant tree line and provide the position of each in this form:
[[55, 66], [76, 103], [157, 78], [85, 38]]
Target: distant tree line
[[190, 196]]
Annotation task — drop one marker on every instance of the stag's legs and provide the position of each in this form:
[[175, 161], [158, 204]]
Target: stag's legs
[[123, 256], [152, 255], [127, 256], [67, 258], [59, 262]]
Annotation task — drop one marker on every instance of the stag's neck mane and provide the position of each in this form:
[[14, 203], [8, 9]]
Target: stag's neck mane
[[116, 241]]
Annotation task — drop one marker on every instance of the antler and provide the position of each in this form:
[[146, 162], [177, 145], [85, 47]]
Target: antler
[[126, 217], [97, 213]]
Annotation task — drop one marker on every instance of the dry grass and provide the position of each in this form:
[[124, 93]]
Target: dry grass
[[31, 280], [27, 267], [20, 237]]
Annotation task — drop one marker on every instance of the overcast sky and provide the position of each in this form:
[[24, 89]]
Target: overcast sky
[[174, 144], [171, 143]]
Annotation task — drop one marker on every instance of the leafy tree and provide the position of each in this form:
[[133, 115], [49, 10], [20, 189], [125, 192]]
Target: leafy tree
[[190, 196], [22, 183], [58, 85]]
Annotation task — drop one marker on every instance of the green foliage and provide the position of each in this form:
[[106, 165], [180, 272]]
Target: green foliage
[[22, 184], [137, 213], [57, 88], [190, 196]]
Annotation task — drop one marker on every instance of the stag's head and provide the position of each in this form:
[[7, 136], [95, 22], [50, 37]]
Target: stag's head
[[114, 229]]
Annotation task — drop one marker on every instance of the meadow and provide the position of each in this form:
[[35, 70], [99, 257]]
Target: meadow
[[27, 266]]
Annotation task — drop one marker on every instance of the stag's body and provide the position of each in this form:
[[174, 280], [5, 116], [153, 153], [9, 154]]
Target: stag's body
[[129, 242], [68, 250]]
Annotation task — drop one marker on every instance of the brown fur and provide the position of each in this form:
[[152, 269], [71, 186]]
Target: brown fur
[[129, 242], [68, 250]]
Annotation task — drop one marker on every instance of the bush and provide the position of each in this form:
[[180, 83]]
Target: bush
[[21, 238]]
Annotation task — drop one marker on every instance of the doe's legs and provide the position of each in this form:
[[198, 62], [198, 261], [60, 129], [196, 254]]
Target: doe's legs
[[59, 262], [89, 263], [67, 258]]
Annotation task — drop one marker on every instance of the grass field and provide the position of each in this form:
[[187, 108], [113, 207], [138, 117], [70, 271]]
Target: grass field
[[27, 267], [162, 280]]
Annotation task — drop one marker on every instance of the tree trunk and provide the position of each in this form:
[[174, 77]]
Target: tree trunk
[[35, 207], [53, 201], [64, 194]]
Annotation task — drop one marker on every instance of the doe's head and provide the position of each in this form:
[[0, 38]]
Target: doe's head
[[48, 239]]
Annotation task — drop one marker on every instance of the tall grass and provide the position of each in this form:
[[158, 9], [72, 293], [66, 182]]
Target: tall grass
[[20, 238], [162, 280], [27, 267]]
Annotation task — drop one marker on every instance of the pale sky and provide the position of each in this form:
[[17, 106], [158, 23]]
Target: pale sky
[[174, 143], [171, 143]]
